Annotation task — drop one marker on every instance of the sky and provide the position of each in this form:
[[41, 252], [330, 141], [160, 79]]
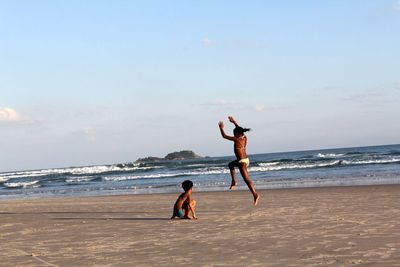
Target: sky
[[104, 82]]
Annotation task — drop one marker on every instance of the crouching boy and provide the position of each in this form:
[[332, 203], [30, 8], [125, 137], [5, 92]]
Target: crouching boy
[[185, 205]]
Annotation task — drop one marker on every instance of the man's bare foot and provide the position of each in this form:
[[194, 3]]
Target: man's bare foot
[[256, 199], [233, 184]]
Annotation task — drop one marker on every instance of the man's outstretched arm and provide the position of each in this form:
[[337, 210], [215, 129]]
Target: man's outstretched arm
[[224, 135], [231, 119]]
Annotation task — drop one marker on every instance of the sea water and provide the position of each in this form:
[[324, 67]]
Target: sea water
[[317, 168]]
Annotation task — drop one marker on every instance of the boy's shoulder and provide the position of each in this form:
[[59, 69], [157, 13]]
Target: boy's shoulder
[[184, 195]]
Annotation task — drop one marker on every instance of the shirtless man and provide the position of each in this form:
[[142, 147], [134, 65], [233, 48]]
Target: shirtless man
[[242, 161]]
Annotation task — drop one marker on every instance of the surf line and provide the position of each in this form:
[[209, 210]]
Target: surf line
[[33, 255]]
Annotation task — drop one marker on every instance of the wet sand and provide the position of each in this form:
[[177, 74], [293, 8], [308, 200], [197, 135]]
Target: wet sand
[[341, 226]]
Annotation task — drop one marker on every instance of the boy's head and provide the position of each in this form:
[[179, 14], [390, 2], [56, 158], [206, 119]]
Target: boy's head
[[187, 185], [239, 131]]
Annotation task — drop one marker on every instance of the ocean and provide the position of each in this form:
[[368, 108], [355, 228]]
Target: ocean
[[375, 165]]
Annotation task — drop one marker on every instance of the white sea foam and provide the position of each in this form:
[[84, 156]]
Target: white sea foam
[[103, 169], [275, 166], [348, 181], [22, 184], [73, 170], [265, 166], [135, 177], [167, 175], [79, 179], [268, 164], [3, 179], [330, 155], [289, 166], [371, 161], [196, 165], [23, 175]]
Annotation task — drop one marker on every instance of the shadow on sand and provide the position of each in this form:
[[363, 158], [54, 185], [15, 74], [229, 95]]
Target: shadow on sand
[[88, 214], [116, 219]]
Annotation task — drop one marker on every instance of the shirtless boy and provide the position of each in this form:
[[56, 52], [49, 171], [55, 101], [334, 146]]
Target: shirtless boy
[[185, 204]]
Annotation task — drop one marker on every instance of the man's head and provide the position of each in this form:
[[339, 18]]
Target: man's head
[[239, 131], [187, 185]]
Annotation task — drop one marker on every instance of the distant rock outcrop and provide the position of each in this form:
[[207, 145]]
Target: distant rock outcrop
[[181, 155], [148, 159]]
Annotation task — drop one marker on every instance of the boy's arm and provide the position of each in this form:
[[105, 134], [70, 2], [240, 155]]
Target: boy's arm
[[191, 208], [224, 135], [231, 119]]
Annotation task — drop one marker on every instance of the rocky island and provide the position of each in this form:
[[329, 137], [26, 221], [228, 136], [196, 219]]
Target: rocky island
[[181, 155]]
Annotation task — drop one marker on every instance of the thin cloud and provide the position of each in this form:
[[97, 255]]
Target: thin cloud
[[367, 98], [330, 88], [231, 104], [269, 109], [259, 108], [88, 133], [222, 103], [397, 5], [206, 42], [9, 115], [233, 43]]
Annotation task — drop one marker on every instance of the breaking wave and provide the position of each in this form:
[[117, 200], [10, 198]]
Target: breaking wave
[[22, 184]]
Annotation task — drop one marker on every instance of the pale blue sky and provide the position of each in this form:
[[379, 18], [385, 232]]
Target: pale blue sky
[[101, 82]]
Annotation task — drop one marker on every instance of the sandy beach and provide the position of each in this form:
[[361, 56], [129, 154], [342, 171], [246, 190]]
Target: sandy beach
[[341, 226]]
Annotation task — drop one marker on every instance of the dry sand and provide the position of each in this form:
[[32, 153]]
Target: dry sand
[[345, 226]]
